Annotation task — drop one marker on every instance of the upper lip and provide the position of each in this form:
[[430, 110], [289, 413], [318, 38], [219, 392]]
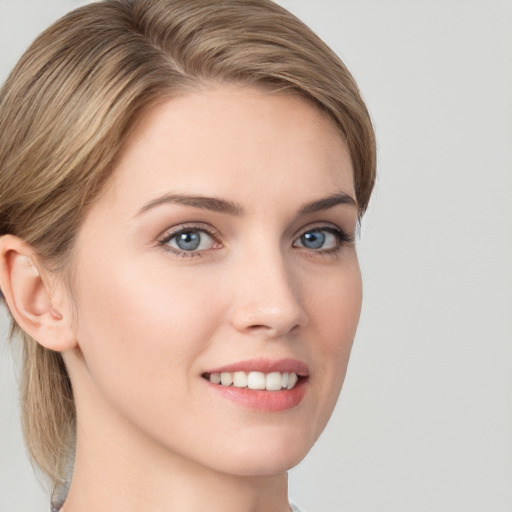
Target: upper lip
[[289, 365]]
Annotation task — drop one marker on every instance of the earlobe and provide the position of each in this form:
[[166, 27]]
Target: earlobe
[[25, 284]]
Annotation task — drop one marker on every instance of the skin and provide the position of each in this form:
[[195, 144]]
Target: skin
[[149, 322]]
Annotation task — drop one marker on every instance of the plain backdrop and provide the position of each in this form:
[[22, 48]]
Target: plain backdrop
[[424, 422]]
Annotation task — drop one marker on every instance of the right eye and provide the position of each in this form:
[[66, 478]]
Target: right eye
[[188, 241]]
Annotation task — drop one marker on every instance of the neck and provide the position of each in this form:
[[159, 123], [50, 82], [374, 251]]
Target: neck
[[115, 483], [118, 468]]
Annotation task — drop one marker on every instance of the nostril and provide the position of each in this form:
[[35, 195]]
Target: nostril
[[262, 315]]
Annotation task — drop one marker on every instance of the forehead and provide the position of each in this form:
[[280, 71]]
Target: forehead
[[234, 140]]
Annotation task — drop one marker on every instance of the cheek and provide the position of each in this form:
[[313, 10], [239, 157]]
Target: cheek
[[336, 309], [335, 316], [142, 324]]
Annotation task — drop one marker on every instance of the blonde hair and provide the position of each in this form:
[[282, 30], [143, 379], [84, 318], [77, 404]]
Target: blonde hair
[[70, 102]]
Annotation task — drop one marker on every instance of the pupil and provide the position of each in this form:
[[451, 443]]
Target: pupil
[[188, 241], [313, 239]]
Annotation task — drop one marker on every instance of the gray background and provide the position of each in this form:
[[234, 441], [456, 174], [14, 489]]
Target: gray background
[[425, 418]]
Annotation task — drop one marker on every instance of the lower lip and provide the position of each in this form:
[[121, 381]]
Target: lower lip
[[261, 400]]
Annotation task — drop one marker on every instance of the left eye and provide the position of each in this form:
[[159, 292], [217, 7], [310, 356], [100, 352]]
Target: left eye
[[190, 240], [318, 239]]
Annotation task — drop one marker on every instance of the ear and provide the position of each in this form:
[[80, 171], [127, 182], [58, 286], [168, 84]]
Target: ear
[[38, 304]]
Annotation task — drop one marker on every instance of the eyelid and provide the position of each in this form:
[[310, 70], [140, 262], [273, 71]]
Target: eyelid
[[326, 226], [170, 233], [343, 238]]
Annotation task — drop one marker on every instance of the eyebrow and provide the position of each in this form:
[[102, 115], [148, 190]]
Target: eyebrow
[[328, 202], [206, 203], [232, 208]]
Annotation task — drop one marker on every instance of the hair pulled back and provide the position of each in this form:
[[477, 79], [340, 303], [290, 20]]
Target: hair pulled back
[[71, 100]]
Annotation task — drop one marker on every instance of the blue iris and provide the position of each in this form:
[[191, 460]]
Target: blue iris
[[313, 239], [188, 240]]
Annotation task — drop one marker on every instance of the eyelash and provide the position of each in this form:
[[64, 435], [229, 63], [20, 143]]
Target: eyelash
[[343, 239], [169, 235]]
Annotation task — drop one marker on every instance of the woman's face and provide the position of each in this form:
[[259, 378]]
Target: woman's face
[[222, 245]]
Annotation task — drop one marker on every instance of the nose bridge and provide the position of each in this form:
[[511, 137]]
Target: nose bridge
[[268, 297]]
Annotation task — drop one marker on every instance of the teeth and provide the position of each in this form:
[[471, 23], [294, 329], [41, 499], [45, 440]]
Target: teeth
[[256, 380], [226, 378], [273, 381], [292, 380], [240, 379], [215, 378]]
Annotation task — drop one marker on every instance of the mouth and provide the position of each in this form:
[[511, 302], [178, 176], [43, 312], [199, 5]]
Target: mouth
[[255, 380], [264, 385]]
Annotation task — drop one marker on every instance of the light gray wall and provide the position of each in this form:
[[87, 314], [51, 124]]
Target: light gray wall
[[425, 418]]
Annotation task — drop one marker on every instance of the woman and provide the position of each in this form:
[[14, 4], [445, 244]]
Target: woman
[[180, 185]]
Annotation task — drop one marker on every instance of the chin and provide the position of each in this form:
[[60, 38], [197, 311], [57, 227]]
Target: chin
[[270, 452], [272, 464]]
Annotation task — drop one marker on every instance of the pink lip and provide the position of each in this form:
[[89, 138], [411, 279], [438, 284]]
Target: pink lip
[[265, 366], [261, 400]]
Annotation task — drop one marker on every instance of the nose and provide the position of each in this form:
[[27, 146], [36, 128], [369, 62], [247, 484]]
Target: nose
[[267, 301]]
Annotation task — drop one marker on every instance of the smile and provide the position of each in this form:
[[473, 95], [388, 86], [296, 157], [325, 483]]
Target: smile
[[262, 385], [273, 381]]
